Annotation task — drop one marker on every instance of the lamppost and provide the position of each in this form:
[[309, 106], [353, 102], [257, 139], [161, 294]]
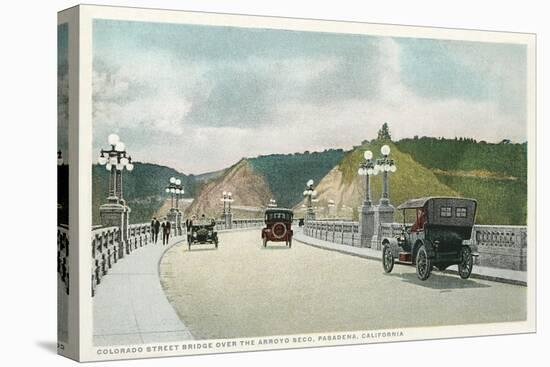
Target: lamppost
[[309, 194], [367, 169], [227, 199], [175, 189], [115, 212], [272, 203], [115, 160], [386, 165], [60, 160], [330, 208]]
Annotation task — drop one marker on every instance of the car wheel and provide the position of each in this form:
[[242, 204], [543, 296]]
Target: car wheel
[[387, 259], [265, 242], [465, 267], [290, 243], [423, 264]]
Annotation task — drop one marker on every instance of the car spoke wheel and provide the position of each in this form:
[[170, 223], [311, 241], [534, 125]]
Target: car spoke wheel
[[387, 259], [423, 264], [465, 267], [265, 242]]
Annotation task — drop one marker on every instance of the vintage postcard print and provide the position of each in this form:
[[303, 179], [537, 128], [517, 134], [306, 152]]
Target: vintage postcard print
[[253, 183]]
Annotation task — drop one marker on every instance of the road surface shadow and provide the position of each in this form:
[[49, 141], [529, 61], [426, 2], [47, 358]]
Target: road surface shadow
[[442, 282], [194, 249], [275, 247]]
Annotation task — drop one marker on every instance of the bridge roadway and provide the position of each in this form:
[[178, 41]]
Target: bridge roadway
[[244, 290]]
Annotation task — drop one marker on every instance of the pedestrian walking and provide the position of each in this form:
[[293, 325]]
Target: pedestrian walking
[[166, 227], [155, 229], [189, 226]]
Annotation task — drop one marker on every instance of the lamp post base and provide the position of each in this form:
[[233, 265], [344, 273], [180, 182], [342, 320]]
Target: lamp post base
[[383, 213], [228, 220], [174, 216], [116, 215], [366, 223]]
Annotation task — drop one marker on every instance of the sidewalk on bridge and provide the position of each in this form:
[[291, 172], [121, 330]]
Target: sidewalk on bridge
[[130, 306], [479, 272]]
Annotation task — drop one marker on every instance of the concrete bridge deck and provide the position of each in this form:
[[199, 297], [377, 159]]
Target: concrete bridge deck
[[130, 306], [478, 272]]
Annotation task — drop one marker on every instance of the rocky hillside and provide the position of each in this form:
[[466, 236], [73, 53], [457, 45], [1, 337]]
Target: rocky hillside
[[250, 190], [343, 185]]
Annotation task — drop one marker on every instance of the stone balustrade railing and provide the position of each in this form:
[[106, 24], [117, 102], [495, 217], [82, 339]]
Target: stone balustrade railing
[[107, 249], [139, 235], [501, 246], [108, 246], [337, 231], [63, 255], [498, 246], [239, 224]]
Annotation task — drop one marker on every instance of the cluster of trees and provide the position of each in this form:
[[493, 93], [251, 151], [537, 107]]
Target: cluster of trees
[[468, 154], [287, 174]]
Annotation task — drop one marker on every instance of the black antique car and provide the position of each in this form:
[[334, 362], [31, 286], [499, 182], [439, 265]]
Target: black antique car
[[436, 238], [202, 232], [278, 226]]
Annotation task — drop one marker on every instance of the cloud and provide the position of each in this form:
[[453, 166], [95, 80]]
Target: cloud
[[204, 112]]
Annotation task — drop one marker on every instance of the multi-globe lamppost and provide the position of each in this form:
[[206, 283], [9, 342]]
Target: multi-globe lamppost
[[175, 190], [385, 165], [115, 160], [372, 216], [309, 194], [227, 199], [115, 212], [60, 160], [330, 208], [366, 168]]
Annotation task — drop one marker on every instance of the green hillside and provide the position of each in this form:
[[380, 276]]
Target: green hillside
[[468, 155], [409, 181], [287, 174], [143, 189], [495, 174]]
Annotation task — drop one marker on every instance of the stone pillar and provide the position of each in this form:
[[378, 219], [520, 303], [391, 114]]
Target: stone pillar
[[228, 219], [174, 217], [113, 178], [382, 214], [366, 223], [116, 215]]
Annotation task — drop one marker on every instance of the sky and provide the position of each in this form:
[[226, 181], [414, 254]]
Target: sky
[[198, 98]]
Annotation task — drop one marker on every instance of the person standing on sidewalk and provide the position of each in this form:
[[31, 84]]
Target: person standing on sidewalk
[[166, 226], [189, 226], [155, 229]]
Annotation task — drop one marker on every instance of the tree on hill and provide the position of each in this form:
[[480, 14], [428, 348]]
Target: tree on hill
[[384, 132]]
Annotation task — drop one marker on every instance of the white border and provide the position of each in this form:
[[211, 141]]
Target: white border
[[89, 12]]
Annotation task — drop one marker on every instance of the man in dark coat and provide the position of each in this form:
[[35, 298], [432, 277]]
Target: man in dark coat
[[166, 226], [155, 229], [188, 226]]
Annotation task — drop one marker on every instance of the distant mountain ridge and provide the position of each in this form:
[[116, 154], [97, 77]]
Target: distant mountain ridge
[[495, 174], [143, 189]]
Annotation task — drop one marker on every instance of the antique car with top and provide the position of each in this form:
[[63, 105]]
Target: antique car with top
[[202, 232], [438, 237], [278, 226]]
